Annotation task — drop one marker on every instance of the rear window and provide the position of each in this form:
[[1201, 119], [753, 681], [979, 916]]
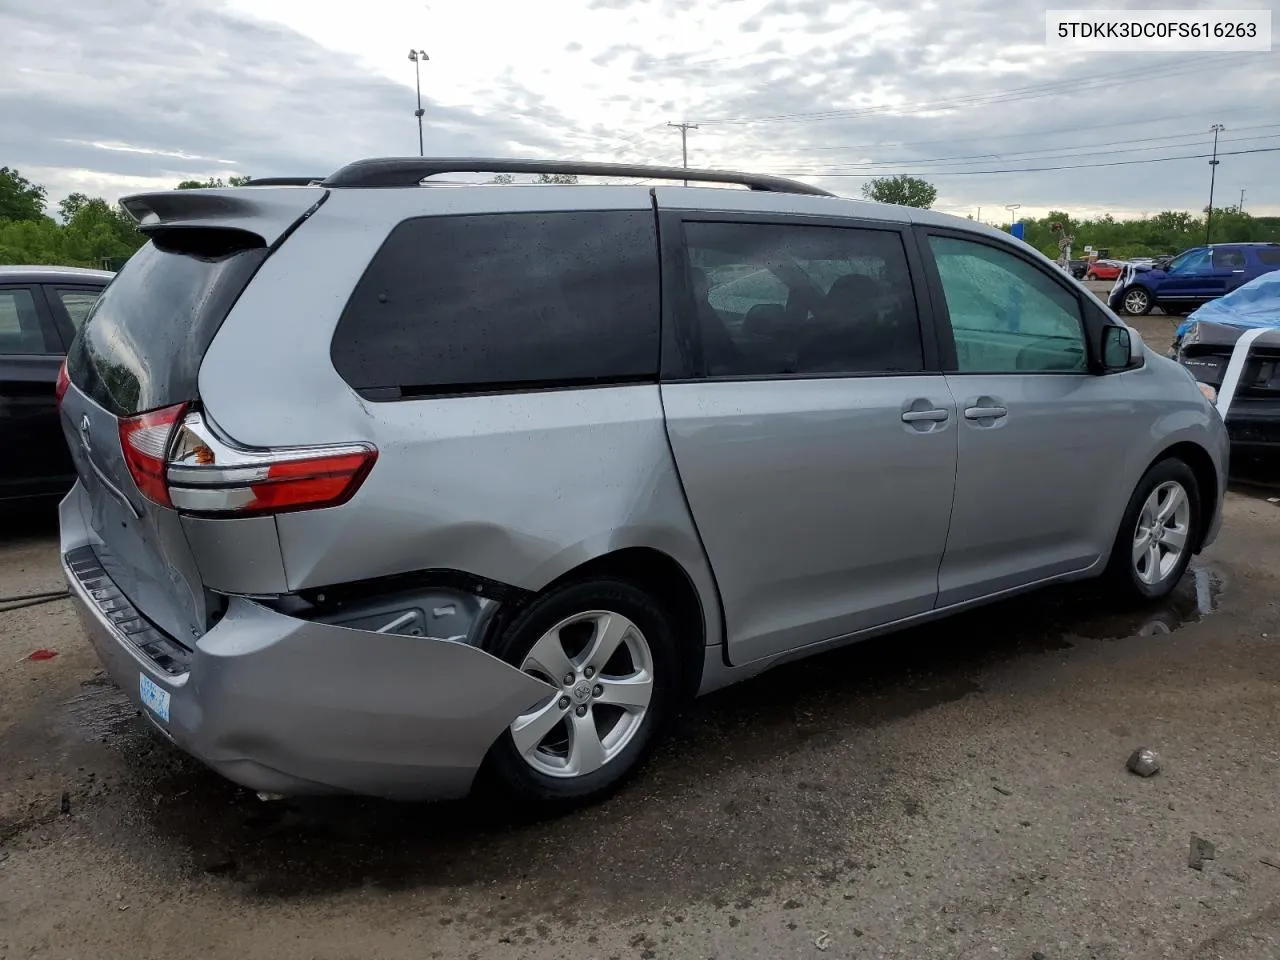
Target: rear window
[[503, 302], [141, 345]]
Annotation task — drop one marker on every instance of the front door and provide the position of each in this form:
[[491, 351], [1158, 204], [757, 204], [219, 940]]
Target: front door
[[1041, 439], [815, 438], [1197, 277]]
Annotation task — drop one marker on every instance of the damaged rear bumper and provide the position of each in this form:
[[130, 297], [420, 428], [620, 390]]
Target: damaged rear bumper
[[291, 706]]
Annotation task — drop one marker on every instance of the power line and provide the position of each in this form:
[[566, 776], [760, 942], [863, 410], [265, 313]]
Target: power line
[[1079, 146], [1030, 92], [975, 159], [1076, 166]]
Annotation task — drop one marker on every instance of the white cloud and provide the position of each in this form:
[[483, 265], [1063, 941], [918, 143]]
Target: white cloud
[[141, 91]]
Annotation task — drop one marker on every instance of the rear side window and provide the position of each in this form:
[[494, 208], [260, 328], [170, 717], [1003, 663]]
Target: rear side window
[[77, 302], [141, 345], [793, 300], [1270, 256], [502, 302], [1228, 259], [21, 332]]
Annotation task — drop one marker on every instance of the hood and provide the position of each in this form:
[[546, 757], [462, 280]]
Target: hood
[[1207, 333]]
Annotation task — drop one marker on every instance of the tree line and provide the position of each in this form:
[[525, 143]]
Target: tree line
[[91, 232]]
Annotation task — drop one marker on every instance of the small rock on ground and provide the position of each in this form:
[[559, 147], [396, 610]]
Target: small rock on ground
[[1144, 762]]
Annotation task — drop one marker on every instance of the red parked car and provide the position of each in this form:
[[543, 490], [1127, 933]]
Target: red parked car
[[1103, 270]]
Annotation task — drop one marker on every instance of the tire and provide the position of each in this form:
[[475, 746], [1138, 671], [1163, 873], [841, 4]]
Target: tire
[[1136, 301], [536, 768], [1091, 276], [1142, 564]]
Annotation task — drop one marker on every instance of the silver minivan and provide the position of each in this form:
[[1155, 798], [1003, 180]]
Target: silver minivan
[[388, 487]]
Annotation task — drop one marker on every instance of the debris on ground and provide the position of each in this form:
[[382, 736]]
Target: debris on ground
[[1004, 792], [1143, 762], [66, 801], [41, 654], [824, 941], [1270, 861], [1201, 850]]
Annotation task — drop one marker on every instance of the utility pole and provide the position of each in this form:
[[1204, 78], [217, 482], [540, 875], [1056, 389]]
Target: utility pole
[[1240, 209], [416, 56], [1217, 128], [684, 129]]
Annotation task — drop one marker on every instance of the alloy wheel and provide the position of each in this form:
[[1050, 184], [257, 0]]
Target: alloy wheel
[[1161, 535], [602, 668]]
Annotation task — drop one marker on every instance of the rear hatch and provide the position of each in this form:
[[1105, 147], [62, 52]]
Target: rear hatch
[[133, 369]]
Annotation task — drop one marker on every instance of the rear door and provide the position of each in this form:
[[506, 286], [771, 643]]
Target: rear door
[[1041, 439], [31, 350], [814, 436]]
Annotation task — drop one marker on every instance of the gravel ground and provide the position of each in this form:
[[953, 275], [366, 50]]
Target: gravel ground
[[956, 791]]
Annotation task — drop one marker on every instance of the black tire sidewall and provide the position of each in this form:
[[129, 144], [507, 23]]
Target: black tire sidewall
[[507, 769], [1121, 566]]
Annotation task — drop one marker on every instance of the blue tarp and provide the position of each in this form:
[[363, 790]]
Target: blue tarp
[[1256, 304]]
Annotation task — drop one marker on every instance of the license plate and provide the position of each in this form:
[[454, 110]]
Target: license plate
[[154, 697]]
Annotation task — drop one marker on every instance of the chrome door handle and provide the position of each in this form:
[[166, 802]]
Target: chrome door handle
[[985, 413], [932, 416]]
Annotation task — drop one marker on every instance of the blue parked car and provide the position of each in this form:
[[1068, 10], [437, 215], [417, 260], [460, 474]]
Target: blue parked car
[[1192, 278]]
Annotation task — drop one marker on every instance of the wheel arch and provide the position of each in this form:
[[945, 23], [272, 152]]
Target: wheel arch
[[669, 583]]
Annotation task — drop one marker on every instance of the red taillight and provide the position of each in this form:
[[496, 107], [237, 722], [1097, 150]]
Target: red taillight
[[64, 381], [144, 440], [208, 475]]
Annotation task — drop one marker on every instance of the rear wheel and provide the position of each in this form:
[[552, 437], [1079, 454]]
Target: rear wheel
[[1160, 530], [608, 650], [1137, 302], [1091, 276]]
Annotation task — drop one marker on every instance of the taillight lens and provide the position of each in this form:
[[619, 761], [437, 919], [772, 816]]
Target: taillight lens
[[64, 381], [144, 439], [208, 475]]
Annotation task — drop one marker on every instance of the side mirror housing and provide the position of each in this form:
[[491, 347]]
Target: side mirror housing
[[1117, 348]]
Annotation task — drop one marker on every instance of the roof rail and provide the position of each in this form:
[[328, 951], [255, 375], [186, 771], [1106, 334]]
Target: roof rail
[[411, 171], [282, 181]]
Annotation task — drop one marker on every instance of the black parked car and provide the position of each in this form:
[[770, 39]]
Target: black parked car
[[40, 310]]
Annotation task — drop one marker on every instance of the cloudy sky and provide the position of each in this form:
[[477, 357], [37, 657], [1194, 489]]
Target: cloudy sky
[[112, 98]]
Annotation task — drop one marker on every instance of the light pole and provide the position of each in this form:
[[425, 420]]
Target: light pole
[[416, 56], [1011, 207], [1217, 128]]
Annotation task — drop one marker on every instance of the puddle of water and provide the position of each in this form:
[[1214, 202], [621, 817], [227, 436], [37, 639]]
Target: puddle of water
[[1196, 596]]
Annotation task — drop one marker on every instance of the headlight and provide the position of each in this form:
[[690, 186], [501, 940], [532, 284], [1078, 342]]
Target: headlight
[[1210, 392]]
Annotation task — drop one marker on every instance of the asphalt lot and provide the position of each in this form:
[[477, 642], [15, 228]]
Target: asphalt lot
[[957, 791]]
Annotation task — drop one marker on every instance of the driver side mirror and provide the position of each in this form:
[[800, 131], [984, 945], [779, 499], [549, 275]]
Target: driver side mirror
[[1117, 348]]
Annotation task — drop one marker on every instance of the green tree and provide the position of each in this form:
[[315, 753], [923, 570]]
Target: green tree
[[235, 180], [20, 199], [503, 178], [902, 189], [70, 205], [555, 178]]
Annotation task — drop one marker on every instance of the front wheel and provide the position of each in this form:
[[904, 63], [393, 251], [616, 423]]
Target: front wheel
[[1137, 302], [1159, 532], [1091, 276], [608, 651]]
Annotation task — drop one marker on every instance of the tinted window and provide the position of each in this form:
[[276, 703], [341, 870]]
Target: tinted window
[[1270, 256], [1007, 315], [20, 328], [452, 304], [1228, 259], [771, 299], [77, 303], [141, 345]]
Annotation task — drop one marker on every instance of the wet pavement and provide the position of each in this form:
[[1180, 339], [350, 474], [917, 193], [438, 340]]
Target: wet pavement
[[948, 790]]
